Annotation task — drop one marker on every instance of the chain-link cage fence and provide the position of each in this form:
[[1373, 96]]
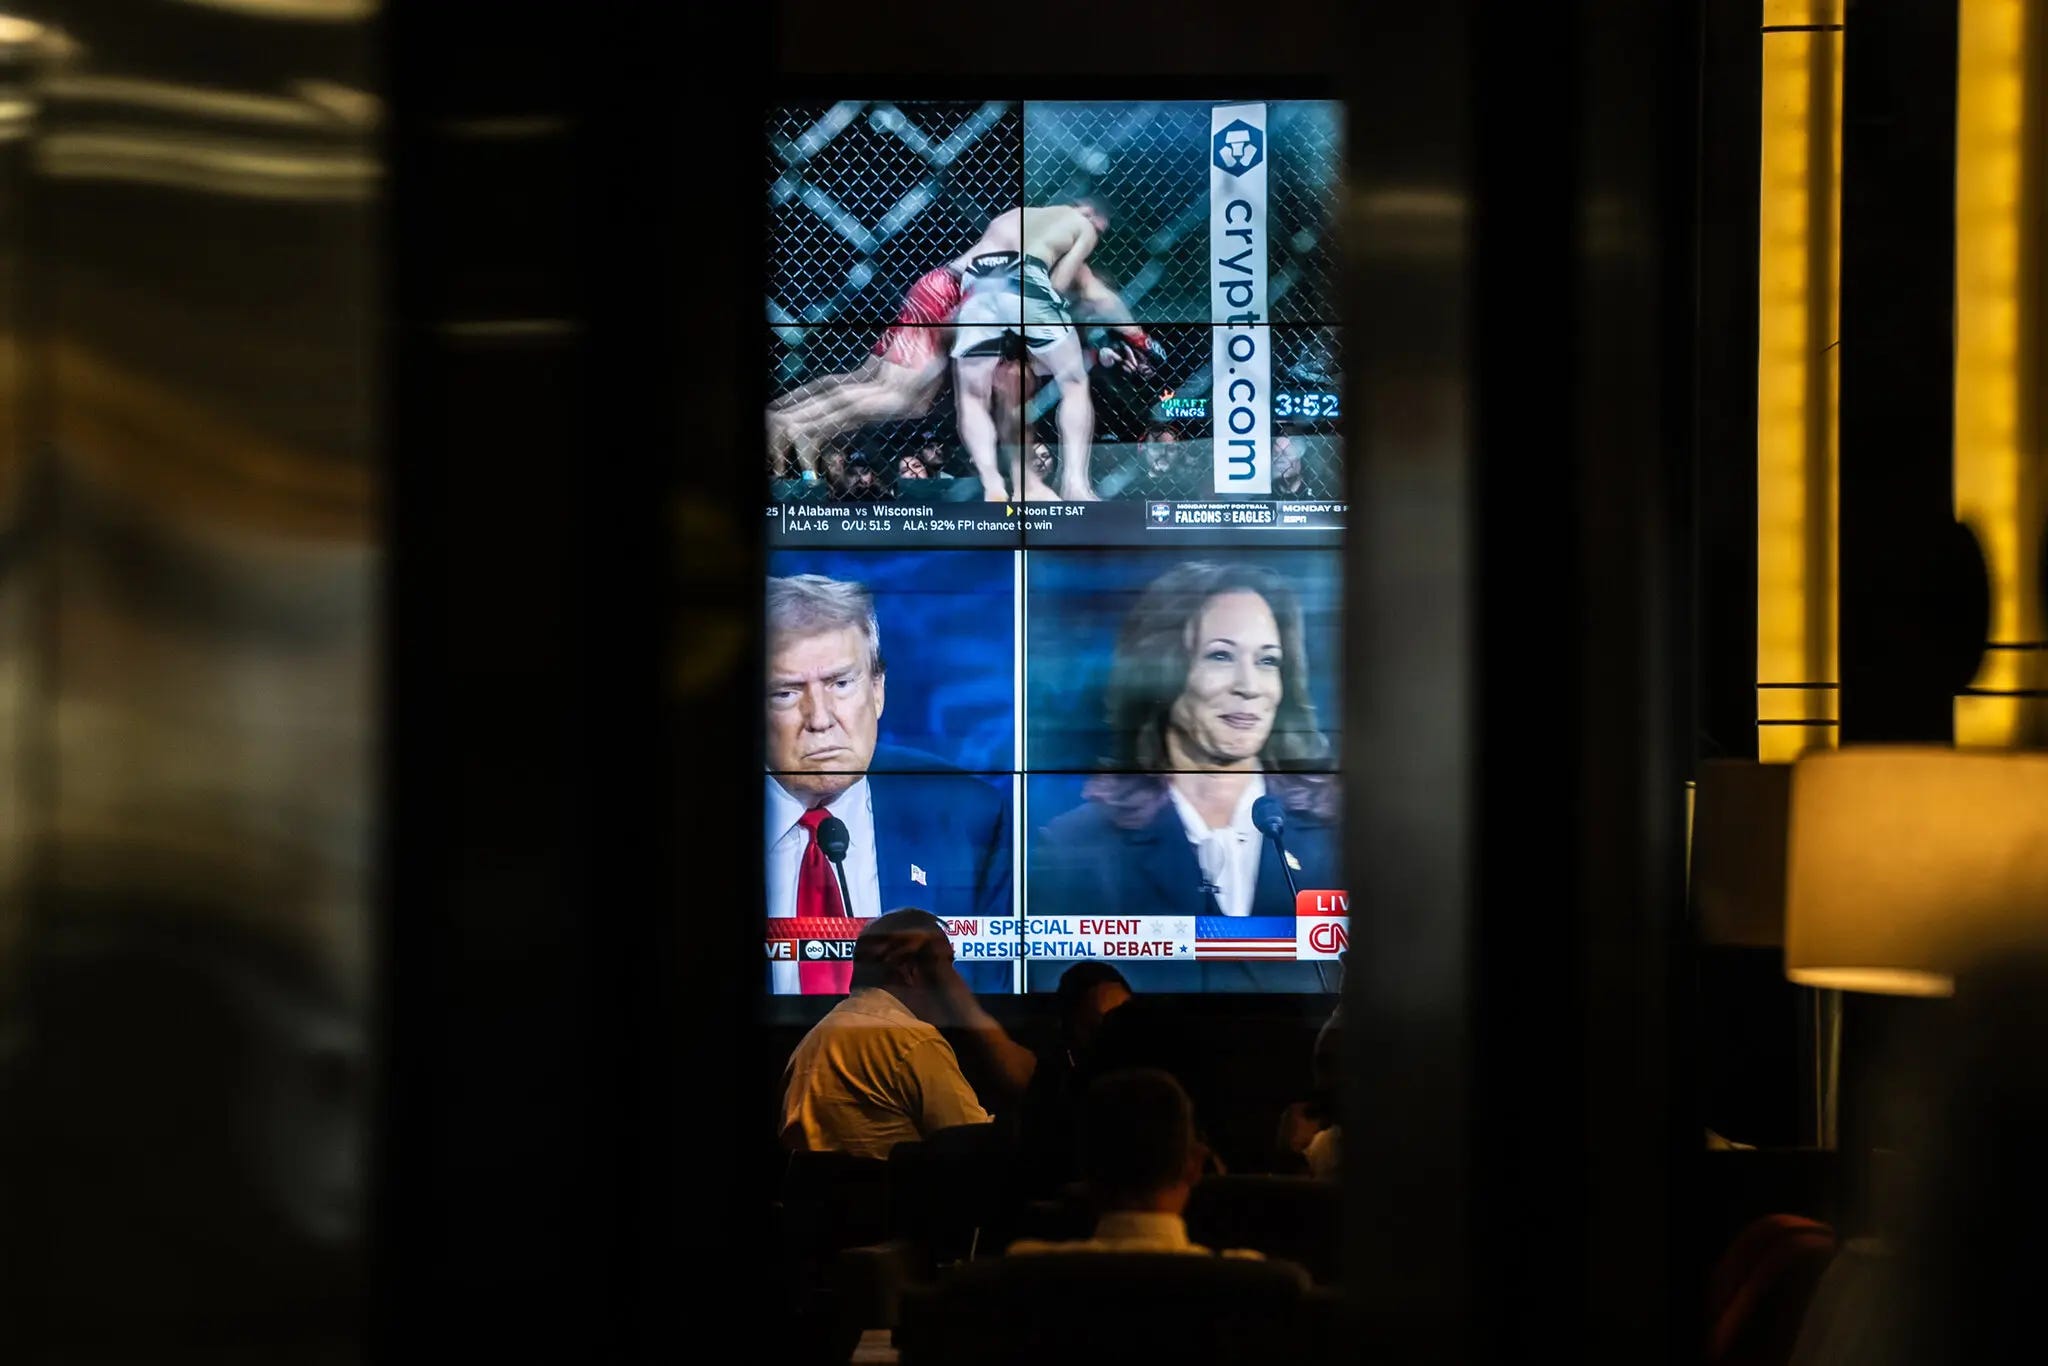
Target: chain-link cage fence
[[1148, 161], [858, 450], [864, 196], [1153, 431]]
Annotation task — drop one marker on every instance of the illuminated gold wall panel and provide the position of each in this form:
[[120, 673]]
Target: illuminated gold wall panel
[[1798, 324], [1998, 484]]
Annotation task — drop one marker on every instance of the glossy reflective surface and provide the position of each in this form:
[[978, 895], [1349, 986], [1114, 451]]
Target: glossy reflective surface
[[187, 655]]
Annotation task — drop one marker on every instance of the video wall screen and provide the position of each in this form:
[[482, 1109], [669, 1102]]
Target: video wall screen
[[1054, 491]]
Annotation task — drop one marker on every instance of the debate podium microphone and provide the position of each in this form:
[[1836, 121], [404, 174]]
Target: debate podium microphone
[[1271, 822], [833, 839]]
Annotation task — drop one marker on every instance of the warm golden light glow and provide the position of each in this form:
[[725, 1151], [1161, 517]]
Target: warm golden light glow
[[1998, 484], [1691, 795], [1907, 864], [1798, 234]]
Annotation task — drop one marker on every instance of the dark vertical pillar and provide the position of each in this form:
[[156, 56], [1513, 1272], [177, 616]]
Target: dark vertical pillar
[[1519, 644], [1913, 610], [1411, 580], [571, 601], [1731, 88], [1749, 1016], [1914, 601], [486, 956]]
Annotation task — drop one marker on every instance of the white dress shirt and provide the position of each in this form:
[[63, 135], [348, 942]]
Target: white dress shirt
[[871, 1075], [1133, 1231], [1229, 856], [1323, 1153], [787, 840]]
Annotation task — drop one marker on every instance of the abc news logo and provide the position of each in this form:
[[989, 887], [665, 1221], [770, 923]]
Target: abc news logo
[[811, 950]]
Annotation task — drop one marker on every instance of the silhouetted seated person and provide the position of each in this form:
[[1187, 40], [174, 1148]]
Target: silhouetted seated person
[[875, 1071], [1151, 1031], [1311, 1132], [1088, 992], [1325, 1150], [1141, 1159]]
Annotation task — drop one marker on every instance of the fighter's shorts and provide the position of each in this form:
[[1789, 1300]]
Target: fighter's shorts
[[1003, 295], [928, 306]]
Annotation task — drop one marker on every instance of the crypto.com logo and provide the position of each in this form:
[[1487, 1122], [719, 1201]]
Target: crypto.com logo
[[1239, 147]]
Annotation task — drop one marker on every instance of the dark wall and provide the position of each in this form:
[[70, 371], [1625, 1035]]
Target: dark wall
[[1914, 596], [1520, 641], [1914, 605], [571, 620], [1748, 1014], [1724, 544]]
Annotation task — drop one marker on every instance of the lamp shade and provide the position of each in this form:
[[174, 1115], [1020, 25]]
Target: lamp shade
[[1905, 865], [1738, 852]]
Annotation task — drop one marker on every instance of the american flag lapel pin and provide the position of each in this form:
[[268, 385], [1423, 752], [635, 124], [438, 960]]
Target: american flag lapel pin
[[917, 875]]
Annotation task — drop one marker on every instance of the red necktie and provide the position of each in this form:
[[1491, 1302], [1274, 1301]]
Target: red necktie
[[817, 894]]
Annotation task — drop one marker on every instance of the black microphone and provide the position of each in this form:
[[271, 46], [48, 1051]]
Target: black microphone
[[833, 839], [1272, 823]]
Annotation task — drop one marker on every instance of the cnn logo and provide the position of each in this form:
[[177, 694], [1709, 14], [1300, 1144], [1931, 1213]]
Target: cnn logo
[[1321, 927]]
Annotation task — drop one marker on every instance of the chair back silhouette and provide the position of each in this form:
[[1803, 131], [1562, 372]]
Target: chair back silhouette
[[825, 1204], [954, 1194], [1108, 1306], [831, 1201], [1739, 1186], [1293, 1217], [1067, 1217], [1760, 1289]]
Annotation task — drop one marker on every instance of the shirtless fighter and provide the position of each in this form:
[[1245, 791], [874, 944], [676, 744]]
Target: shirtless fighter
[[1015, 285], [901, 377]]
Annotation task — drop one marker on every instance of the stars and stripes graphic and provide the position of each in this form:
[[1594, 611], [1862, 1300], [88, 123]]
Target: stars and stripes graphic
[[1248, 936]]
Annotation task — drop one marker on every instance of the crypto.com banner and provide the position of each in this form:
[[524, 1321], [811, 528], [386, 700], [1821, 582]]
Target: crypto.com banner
[[1242, 359]]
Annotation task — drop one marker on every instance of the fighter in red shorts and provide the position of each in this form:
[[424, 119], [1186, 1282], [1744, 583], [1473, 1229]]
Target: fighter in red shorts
[[928, 306], [900, 378], [903, 373]]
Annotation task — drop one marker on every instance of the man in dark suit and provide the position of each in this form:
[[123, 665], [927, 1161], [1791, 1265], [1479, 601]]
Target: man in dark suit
[[1127, 851], [918, 832], [942, 841]]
